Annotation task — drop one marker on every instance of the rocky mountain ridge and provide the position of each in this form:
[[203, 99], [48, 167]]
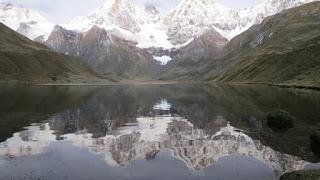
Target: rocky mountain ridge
[[146, 27], [103, 52]]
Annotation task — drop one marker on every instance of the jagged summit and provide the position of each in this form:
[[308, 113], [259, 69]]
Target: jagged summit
[[191, 18], [131, 22], [122, 14]]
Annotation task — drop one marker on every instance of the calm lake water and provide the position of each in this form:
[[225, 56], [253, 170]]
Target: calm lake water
[[182, 131]]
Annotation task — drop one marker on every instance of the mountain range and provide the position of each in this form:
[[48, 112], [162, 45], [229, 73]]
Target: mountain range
[[146, 27], [126, 41]]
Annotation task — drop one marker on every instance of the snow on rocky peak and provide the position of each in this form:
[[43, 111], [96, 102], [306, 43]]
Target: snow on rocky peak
[[146, 27], [192, 17], [25, 21], [114, 13], [131, 22]]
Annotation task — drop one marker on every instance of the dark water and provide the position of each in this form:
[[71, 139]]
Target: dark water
[[183, 131]]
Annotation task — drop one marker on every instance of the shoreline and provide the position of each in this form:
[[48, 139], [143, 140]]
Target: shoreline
[[159, 82], [289, 86], [124, 82], [117, 83]]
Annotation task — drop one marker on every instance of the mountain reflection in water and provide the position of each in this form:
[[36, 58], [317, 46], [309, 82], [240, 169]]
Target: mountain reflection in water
[[148, 135], [142, 132]]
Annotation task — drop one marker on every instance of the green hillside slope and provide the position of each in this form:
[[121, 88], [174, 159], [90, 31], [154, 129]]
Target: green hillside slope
[[26, 61], [284, 50]]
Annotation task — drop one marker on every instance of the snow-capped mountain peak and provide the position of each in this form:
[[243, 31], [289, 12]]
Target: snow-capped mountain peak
[[25, 21], [141, 25], [189, 20], [113, 14], [119, 7], [192, 17], [146, 27]]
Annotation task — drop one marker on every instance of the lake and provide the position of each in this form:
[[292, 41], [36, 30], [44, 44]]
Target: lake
[[177, 131]]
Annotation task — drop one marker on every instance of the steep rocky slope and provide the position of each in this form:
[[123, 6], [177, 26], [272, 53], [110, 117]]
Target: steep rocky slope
[[196, 53], [104, 53], [283, 49], [24, 60]]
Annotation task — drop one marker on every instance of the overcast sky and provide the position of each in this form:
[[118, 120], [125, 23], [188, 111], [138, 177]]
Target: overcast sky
[[62, 11]]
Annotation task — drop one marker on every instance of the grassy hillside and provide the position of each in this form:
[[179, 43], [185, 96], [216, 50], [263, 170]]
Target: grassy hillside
[[26, 61], [302, 175], [282, 50]]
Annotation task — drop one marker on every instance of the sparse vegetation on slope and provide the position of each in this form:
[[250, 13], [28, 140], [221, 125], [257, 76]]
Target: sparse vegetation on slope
[[302, 175], [282, 50], [26, 61]]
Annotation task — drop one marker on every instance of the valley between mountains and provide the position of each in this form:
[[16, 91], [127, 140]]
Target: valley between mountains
[[276, 42]]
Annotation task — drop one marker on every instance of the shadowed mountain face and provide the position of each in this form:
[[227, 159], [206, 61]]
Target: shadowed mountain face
[[100, 50], [198, 52], [193, 124], [24, 60]]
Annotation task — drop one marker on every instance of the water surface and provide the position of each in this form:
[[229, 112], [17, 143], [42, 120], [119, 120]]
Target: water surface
[[181, 131]]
